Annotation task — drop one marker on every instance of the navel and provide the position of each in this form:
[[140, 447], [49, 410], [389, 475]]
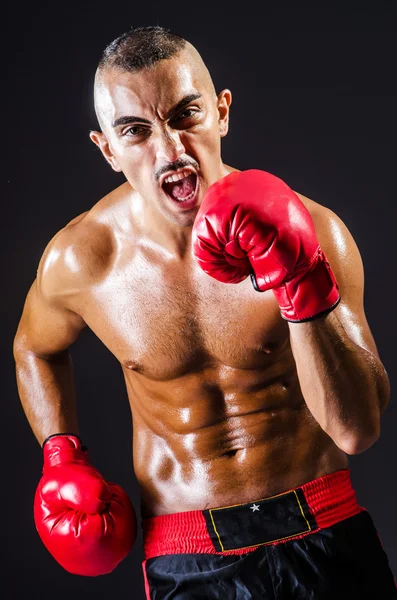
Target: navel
[[270, 347], [231, 453]]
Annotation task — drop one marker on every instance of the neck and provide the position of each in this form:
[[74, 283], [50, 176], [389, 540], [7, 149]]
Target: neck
[[171, 238], [158, 231]]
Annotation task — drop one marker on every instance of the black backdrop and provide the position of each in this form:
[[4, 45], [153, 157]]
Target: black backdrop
[[314, 103]]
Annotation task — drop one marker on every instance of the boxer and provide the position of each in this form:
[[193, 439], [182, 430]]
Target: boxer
[[234, 305]]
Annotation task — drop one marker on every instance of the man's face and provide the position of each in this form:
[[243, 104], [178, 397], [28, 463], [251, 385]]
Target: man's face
[[162, 128]]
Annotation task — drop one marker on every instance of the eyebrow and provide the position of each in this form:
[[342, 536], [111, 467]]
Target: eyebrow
[[127, 120]]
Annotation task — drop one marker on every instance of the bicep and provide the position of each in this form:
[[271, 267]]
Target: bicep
[[344, 257], [46, 328]]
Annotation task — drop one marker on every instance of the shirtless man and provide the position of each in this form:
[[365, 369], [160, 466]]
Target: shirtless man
[[251, 370]]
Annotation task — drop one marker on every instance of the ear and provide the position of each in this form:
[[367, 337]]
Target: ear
[[101, 141], [224, 102]]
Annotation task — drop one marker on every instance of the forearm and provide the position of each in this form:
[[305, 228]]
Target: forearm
[[47, 393], [345, 387]]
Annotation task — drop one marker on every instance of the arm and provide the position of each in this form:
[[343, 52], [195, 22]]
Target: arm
[[43, 365], [342, 379], [251, 223], [98, 524]]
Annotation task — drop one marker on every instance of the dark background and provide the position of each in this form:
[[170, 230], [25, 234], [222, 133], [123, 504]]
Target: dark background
[[314, 102]]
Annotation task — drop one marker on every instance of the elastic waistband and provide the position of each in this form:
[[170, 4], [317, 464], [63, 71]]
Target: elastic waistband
[[242, 528]]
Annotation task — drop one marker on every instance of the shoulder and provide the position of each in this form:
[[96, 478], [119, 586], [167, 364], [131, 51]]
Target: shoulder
[[343, 255], [334, 236], [73, 258], [81, 253]]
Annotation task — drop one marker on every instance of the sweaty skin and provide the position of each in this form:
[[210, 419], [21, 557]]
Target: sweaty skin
[[218, 413]]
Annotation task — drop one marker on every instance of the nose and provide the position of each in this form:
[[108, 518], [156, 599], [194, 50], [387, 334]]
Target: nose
[[169, 146]]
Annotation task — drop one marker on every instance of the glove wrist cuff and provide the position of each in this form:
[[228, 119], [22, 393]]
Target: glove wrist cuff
[[53, 435], [62, 448], [310, 294]]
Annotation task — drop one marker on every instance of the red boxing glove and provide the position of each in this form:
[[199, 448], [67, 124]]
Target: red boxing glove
[[88, 525], [252, 223]]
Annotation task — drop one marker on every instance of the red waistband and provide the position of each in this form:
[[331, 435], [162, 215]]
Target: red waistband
[[330, 499]]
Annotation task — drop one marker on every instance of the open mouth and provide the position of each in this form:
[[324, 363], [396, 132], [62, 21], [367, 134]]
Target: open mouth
[[181, 187]]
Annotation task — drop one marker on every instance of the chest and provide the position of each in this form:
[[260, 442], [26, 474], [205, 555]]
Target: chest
[[167, 319]]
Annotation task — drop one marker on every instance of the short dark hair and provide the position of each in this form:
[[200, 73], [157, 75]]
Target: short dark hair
[[140, 48]]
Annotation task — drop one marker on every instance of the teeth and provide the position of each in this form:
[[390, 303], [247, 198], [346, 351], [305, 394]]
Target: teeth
[[189, 197], [176, 177]]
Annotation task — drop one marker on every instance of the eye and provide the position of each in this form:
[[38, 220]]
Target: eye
[[134, 131], [186, 113]]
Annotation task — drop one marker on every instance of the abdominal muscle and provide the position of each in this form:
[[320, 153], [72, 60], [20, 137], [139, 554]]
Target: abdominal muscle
[[198, 445]]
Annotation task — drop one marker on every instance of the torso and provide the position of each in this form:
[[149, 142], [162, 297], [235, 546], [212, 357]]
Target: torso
[[218, 414]]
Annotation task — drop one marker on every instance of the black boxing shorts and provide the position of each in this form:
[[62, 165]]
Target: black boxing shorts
[[310, 543]]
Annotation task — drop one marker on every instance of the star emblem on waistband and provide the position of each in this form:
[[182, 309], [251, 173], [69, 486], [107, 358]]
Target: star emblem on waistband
[[254, 507]]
